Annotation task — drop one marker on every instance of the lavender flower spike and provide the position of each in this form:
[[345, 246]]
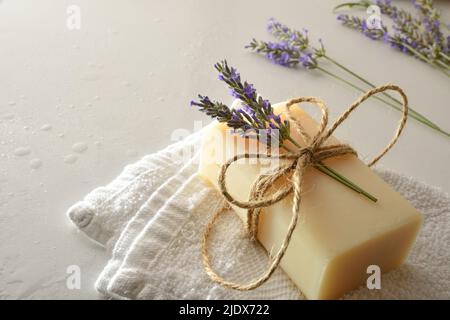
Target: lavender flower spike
[[421, 38], [255, 115], [294, 49]]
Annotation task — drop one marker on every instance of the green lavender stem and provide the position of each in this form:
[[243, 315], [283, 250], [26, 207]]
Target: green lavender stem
[[442, 64], [361, 4], [348, 183], [416, 115], [436, 63], [356, 87], [335, 175], [443, 55]]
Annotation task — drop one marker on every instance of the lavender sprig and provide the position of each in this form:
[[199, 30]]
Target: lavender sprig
[[254, 119], [421, 38], [256, 115], [284, 54], [432, 23], [427, 41], [359, 24], [294, 49], [222, 113]]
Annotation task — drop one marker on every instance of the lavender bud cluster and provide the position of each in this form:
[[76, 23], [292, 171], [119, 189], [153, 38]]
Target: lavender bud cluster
[[292, 49], [254, 119], [419, 36]]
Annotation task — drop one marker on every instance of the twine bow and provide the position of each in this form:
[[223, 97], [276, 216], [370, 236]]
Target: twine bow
[[311, 154]]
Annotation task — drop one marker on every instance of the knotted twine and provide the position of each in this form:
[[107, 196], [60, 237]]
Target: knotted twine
[[311, 154]]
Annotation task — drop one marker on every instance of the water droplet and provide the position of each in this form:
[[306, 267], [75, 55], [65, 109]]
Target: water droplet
[[61, 135], [22, 151], [161, 99], [46, 127], [79, 147], [98, 144], [96, 98], [35, 163], [70, 158], [12, 103]]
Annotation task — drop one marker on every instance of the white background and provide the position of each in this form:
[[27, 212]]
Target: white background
[[122, 84]]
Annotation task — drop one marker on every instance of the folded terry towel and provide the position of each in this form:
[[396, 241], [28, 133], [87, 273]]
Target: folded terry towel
[[151, 218]]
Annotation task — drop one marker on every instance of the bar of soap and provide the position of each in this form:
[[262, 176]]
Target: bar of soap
[[340, 233]]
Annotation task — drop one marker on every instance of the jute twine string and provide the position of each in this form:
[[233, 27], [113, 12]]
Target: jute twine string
[[310, 155]]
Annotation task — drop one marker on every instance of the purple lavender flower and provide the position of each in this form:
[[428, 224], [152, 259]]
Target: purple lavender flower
[[292, 49], [307, 60], [421, 38], [287, 35], [360, 25], [213, 109], [234, 75], [433, 35], [265, 104], [249, 91], [275, 119], [203, 101], [284, 54], [245, 108], [255, 115], [233, 92]]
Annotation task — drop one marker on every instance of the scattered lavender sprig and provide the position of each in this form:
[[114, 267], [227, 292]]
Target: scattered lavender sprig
[[421, 38], [426, 43], [431, 20], [294, 49], [256, 115], [361, 25], [214, 109], [284, 54], [254, 119]]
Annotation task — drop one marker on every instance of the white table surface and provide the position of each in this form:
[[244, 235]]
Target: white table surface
[[122, 85]]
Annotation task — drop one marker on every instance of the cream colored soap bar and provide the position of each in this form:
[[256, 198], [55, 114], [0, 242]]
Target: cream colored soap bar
[[340, 233]]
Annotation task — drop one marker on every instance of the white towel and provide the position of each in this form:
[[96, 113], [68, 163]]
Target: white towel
[[151, 218]]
